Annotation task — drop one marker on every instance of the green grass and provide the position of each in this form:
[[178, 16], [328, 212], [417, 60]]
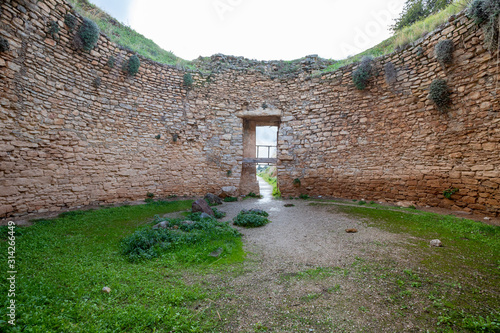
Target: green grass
[[126, 36], [464, 274], [64, 263]]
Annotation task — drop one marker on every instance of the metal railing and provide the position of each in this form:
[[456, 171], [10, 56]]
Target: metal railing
[[268, 151]]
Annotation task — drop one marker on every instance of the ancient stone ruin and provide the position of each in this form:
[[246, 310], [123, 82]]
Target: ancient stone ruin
[[77, 131]]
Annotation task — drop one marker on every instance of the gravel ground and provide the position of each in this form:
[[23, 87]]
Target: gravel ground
[[268, 295]]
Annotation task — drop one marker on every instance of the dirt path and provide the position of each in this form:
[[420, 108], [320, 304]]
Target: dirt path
[[296, 278]]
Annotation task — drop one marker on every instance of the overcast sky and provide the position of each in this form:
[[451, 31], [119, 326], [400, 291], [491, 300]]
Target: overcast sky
[[259, 29]]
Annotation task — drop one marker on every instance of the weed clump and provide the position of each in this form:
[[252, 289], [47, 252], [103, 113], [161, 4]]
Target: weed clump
[[148, 243], [252, 218], [439, 93], [187, 80], [363, 73], [70, 21], [449, 192], [444, 52], [111, 62], [53, 30], [303, 196], [230, 199], [87, 36], [4, 44], [132, 66], [486, 13]]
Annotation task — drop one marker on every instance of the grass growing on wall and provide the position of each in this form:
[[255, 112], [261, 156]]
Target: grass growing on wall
[[64, 263], [126, 36]]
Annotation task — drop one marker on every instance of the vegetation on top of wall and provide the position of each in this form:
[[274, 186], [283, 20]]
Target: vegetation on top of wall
[[444, 51], [4, 44], [88, 35], [439, 93], [486, 13], [126, 36], [405, 36], [417, 10], [362, 75]]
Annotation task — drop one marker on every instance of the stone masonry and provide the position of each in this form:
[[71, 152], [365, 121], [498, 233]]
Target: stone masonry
[[65, 141]]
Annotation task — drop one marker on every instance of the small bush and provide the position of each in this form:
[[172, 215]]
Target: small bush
[[132, 66], [390, 73], [150, 243], [88, 35], [187, 79], [449, 192], [111, 62], [53, 29], [4, 44], [477, 11], [218, 214], [70, 21], [486, 13], [150, 195], [444, 51], [230, 199], [97, 82], [251, 218], [363, 73], [439, 93], [296, 182], [304, 196]]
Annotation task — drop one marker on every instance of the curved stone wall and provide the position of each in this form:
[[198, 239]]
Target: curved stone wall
[[65, 142]]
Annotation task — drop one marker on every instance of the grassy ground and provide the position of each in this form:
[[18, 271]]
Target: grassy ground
[[458, 284], [64, 263]]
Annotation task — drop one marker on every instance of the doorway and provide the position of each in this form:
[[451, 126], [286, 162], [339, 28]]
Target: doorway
[[260, 149]]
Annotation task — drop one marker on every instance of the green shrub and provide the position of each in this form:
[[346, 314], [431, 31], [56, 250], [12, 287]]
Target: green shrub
[[187, 79], [150, 243], [150, 195], [251, 218], [218, 214], [111, 62], [304, 196], [70, 21], [4, 44], [296, 182], [88, 33], [230, 199], [363, 73], [439, 93], [132, 66], [449, 192], [444, 51], [53, 29], [486, 13]]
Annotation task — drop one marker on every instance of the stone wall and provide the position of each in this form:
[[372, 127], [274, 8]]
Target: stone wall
[[65, 142]]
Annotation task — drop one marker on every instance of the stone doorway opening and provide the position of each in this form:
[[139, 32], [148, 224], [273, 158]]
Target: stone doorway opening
[[260, 136]]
